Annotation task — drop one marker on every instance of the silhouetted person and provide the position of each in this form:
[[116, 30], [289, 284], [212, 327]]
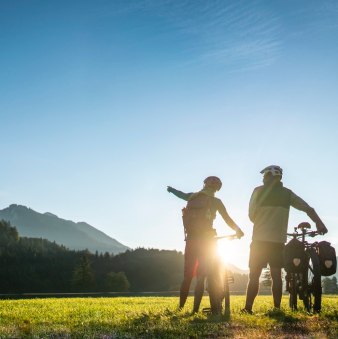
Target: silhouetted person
[[269, 211], [200, 242]]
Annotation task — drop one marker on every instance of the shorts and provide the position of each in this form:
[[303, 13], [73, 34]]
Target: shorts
[[265, 252], [198, 256]]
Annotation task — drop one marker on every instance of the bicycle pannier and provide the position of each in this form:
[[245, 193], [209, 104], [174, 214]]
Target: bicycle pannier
[[327, 258], [294, 256]]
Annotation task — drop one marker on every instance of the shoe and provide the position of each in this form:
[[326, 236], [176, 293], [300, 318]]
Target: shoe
[[246, 311], [180, 308]]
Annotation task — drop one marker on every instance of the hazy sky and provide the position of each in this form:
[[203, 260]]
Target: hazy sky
[[105, 103]]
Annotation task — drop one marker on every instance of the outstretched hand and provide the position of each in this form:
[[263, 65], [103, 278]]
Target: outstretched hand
[[321, 228], [169, 189], [239, 233]]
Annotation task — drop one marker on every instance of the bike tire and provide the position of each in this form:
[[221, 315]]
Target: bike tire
[[293, 291], [226, 294], [215, 288], [313, 289]]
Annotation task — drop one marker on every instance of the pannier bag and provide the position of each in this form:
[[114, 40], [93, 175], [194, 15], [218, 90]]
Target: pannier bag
[[294, 256], [327, 258]]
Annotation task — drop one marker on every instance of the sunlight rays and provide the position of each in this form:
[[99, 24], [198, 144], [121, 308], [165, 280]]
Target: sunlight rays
[[228, 250]]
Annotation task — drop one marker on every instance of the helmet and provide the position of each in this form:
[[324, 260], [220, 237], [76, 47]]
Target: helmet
[[213, 182], [273, 169]]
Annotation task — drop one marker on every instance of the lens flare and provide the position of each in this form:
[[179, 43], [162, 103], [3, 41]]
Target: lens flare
[[227, 250]]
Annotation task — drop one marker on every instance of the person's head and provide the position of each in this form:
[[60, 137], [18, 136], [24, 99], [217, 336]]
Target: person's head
[[213, 183], [272, 173]]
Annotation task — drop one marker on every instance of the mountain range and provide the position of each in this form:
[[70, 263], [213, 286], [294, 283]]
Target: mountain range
[[73, 235]]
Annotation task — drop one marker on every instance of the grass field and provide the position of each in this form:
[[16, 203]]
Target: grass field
[[158, 317]]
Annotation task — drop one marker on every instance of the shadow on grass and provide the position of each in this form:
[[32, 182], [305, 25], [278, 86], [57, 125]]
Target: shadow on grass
[[332, 315], [287, 323], [281, 316], [174, 324], [179, 325]]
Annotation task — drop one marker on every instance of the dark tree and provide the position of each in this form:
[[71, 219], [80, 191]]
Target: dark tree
[[83, 277], [116, 282], [266, 277], [330, 285]]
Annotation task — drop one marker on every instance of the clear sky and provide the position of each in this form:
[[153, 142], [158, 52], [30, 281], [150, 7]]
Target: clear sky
[[105, 103]]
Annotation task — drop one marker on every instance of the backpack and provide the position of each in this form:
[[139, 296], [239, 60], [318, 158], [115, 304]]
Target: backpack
[[327, 258], [294, 256], [196, 216]]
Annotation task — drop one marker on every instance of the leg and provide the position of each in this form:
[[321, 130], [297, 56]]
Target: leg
[[253, 286], [184, 291], [277, 285], [275, 254], [205, 258], [257, 261], [190, 264], [199, 290]]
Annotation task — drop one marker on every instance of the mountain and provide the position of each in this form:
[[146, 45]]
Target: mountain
[[76, 236]]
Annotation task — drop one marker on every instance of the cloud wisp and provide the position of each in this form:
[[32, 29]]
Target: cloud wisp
[[240, 35]]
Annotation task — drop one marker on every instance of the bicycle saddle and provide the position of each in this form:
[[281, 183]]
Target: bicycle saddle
[[304, 225]]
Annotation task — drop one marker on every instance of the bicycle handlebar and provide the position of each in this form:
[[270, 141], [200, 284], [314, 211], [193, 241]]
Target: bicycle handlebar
[[229, 236], [310, 234]]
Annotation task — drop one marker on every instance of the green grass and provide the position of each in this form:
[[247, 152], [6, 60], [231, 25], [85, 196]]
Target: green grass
[[158, 317]]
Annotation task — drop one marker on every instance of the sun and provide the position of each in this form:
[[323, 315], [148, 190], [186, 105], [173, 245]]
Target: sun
[[228, 251]]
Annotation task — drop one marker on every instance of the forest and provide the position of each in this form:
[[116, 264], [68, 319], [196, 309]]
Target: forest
[[33, 265]]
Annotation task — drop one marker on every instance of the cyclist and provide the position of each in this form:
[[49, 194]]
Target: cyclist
[[200, 244], [269, 211]]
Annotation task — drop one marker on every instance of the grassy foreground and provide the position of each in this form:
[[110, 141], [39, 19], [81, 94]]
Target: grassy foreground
[[157, 317]]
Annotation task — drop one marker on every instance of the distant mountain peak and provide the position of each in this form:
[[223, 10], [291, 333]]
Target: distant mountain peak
[[76, 236], [51, 214], [16, 206]]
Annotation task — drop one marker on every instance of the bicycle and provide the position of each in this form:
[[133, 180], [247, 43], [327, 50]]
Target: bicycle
[[218, 280], [304, 277]]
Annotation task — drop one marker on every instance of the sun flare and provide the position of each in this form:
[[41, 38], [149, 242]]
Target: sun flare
[[228, 250]]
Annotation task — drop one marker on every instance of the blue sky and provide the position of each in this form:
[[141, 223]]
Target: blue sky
[[105, 103]]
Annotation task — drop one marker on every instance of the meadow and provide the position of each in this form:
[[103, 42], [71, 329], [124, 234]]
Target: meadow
[[158, 317]]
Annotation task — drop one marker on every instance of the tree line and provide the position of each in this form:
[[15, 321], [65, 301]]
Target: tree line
[[32, 265]]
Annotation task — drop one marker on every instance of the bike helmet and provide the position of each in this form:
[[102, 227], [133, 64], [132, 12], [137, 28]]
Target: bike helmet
[[273, 169], [213, 182]]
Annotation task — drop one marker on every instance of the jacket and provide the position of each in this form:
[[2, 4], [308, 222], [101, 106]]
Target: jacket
[[269, 210]]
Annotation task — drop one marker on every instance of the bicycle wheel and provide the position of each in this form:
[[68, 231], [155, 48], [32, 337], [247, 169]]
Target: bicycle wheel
[[312, 284], [215, 288], [292, 281], [226, 294]]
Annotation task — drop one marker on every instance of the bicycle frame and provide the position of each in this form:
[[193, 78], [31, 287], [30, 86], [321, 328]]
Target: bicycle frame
[[219, 279], [306, 284]]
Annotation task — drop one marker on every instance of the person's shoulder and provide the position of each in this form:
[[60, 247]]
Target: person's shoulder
[[287, 189], [218, 202], [258, 188], [192, 195]]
